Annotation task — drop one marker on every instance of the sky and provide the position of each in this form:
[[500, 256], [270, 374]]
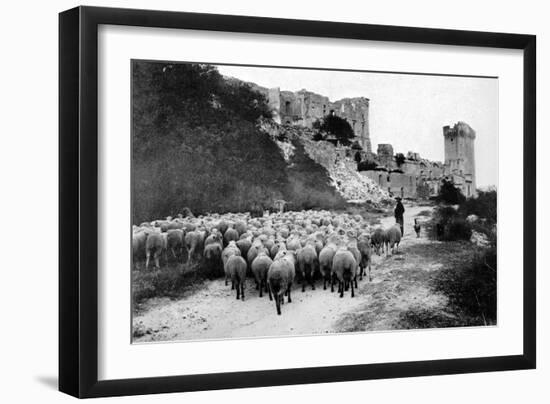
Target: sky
[[407, 111]]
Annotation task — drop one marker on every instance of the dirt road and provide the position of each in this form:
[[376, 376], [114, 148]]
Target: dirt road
[[212, 312]]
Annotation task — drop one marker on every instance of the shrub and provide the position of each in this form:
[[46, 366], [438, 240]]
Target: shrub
[[366, 166], [338, 127], [448, 225], [450, 194], [399, 159], [483, 205]]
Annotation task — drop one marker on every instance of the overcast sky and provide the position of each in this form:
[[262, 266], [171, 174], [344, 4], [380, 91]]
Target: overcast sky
[[408, 111]]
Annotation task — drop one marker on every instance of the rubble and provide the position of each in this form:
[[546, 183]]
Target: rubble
[[353, 186]]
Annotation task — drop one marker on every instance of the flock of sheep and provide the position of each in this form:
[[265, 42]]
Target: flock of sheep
[[275, 249]]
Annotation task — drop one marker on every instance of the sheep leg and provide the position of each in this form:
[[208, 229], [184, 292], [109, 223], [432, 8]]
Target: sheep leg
[[242, 291], [174, 253], [352, 293], [278, 303], [157, 259], [269, 291], [341, 288], [147, 260], [355, 280], [332, 284], [303, 281], [370, 278], [289, 299], [238, 291], [261, 288]]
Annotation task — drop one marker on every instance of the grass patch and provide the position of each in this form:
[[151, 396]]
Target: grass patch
[[472, 287], [172, 280], [419, 317]]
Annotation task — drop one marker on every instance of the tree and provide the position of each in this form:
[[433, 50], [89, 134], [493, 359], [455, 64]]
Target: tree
[[399, 159], [339, 128], [450, 194]]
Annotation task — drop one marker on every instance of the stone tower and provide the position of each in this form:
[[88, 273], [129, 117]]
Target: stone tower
[[460, 156]]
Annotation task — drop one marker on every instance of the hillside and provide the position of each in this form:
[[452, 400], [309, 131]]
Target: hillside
[[196, 144]]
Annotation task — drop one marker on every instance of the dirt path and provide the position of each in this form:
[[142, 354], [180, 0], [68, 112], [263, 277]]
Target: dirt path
[[399, 283]]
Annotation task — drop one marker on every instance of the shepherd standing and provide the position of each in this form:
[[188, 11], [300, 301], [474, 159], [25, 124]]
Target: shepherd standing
[[399, 211]]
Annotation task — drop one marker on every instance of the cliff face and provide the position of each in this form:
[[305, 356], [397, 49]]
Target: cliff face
[[341, 170]]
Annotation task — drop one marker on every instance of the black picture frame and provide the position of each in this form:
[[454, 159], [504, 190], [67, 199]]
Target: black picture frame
[[78, 203]]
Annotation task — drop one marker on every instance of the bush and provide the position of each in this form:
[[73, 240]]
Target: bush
[[399, 159], [484, 205], [337, 127], [448, 225], [366, 166], [450, 194]]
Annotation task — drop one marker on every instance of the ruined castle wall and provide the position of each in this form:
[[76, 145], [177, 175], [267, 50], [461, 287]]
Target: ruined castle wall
[[396, 184]]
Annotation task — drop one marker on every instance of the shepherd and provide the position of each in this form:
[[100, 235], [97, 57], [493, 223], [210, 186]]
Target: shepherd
[[399, 211]]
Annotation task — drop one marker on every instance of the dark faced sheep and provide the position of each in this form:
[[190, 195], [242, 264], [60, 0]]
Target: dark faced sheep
[[260, 266], [236, 266], [344, 268], [280, 277], [307, 264]]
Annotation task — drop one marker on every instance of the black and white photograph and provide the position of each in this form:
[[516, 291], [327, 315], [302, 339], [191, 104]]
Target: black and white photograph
[[271, 201]]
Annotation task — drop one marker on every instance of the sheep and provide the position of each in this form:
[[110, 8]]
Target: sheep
[[138, 247], [364, 246], [344, 268], [213, 256], [153, 247], [244, 245], [393, 238], [170, 225], [175, 241], [325, 262], [194, 241], [307, 263], [260, 266], [293, 244], [257, 247], [228, 252], [236, 266], [214, 237], [241, 227], [378, 240], [230, 235], [280, 277]]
